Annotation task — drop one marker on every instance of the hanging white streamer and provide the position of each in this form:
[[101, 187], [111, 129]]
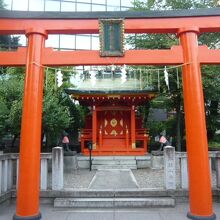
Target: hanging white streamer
[[59, 78], [166, 76], [177, 79], [123, 74]]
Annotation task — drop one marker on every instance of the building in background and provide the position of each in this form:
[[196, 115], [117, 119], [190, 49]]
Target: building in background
[[69, 42]]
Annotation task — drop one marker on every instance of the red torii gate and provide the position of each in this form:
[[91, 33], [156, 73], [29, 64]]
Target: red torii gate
[[187, 24]]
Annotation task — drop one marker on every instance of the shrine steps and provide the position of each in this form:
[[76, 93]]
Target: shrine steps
[[114, 202], [114, 162]]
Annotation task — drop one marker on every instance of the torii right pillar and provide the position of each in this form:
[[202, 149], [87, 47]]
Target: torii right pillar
[[200, 194]]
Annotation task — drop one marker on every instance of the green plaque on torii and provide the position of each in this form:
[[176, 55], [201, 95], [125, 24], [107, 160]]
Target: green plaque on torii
[[111, 34]]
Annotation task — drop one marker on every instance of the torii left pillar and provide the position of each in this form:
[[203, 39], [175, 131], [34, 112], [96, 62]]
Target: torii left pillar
[[29, 164]]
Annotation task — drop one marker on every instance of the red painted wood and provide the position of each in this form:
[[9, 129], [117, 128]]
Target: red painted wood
[[30, 144], [112, 126], [94, 127], [133, 127], [91, 26], [196, 138], [88, 57]]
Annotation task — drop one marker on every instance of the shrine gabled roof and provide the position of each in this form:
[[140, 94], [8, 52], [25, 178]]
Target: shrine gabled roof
[[78, 92], [119, 14], [122, 97]]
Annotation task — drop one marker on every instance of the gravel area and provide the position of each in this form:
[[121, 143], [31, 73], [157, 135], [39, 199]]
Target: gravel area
[[77, 179], [146, 178], [149, 178]]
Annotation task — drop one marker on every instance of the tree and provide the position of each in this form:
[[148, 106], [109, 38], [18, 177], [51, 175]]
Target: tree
[[174, 98], [56, 117], [60, 114], [11, 90], [211, 85]]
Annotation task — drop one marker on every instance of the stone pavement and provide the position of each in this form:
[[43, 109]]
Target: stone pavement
[[50, 213], [113, 179], [81, 179], [146, 178]]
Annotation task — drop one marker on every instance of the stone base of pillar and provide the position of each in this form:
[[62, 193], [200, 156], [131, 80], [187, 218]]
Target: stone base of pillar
[[195, 217], [36, 217]]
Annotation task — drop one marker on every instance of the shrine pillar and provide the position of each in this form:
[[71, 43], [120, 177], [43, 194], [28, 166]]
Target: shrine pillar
[[133, 144], [30, 144], [94, 127], [200, 194]]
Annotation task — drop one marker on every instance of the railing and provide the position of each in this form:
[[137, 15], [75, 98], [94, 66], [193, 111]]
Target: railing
[[140, 135], [182, 164], [172, 162], [9, 166]]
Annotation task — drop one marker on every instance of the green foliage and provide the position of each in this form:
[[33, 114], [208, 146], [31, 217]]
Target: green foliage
[[11, 90], [14, 117], [173, 99], [211, 85], [173, 4], [4, 111], [59, 112], [56, 117]]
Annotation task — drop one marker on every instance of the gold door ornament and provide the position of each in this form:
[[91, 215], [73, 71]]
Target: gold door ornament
[[121, 122], [114, 132], [106, 122], [113, 122]]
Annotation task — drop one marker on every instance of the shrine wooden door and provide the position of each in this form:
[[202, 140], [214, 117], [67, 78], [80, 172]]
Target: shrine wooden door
[[113, 126]]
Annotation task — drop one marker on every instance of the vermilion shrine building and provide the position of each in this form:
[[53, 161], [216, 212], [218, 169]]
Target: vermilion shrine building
[[186, 24], [113, 125]]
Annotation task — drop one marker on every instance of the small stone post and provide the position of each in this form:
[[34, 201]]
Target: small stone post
[[184, 171], [0, 177], [17, 172], [57, 168], [10, 174], [218, 170], [4, 175], [169, 168], [43, 174]]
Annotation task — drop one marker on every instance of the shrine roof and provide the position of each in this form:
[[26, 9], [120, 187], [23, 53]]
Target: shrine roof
[[74, 91], [118, 97], [118, 14]]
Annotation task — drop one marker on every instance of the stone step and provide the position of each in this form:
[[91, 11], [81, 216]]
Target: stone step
[[114, 157], [114, 162], [112, 166], [141, 161], [114, 202]]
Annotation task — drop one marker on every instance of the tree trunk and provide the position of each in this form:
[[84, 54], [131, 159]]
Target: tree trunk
[[13, 140]]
